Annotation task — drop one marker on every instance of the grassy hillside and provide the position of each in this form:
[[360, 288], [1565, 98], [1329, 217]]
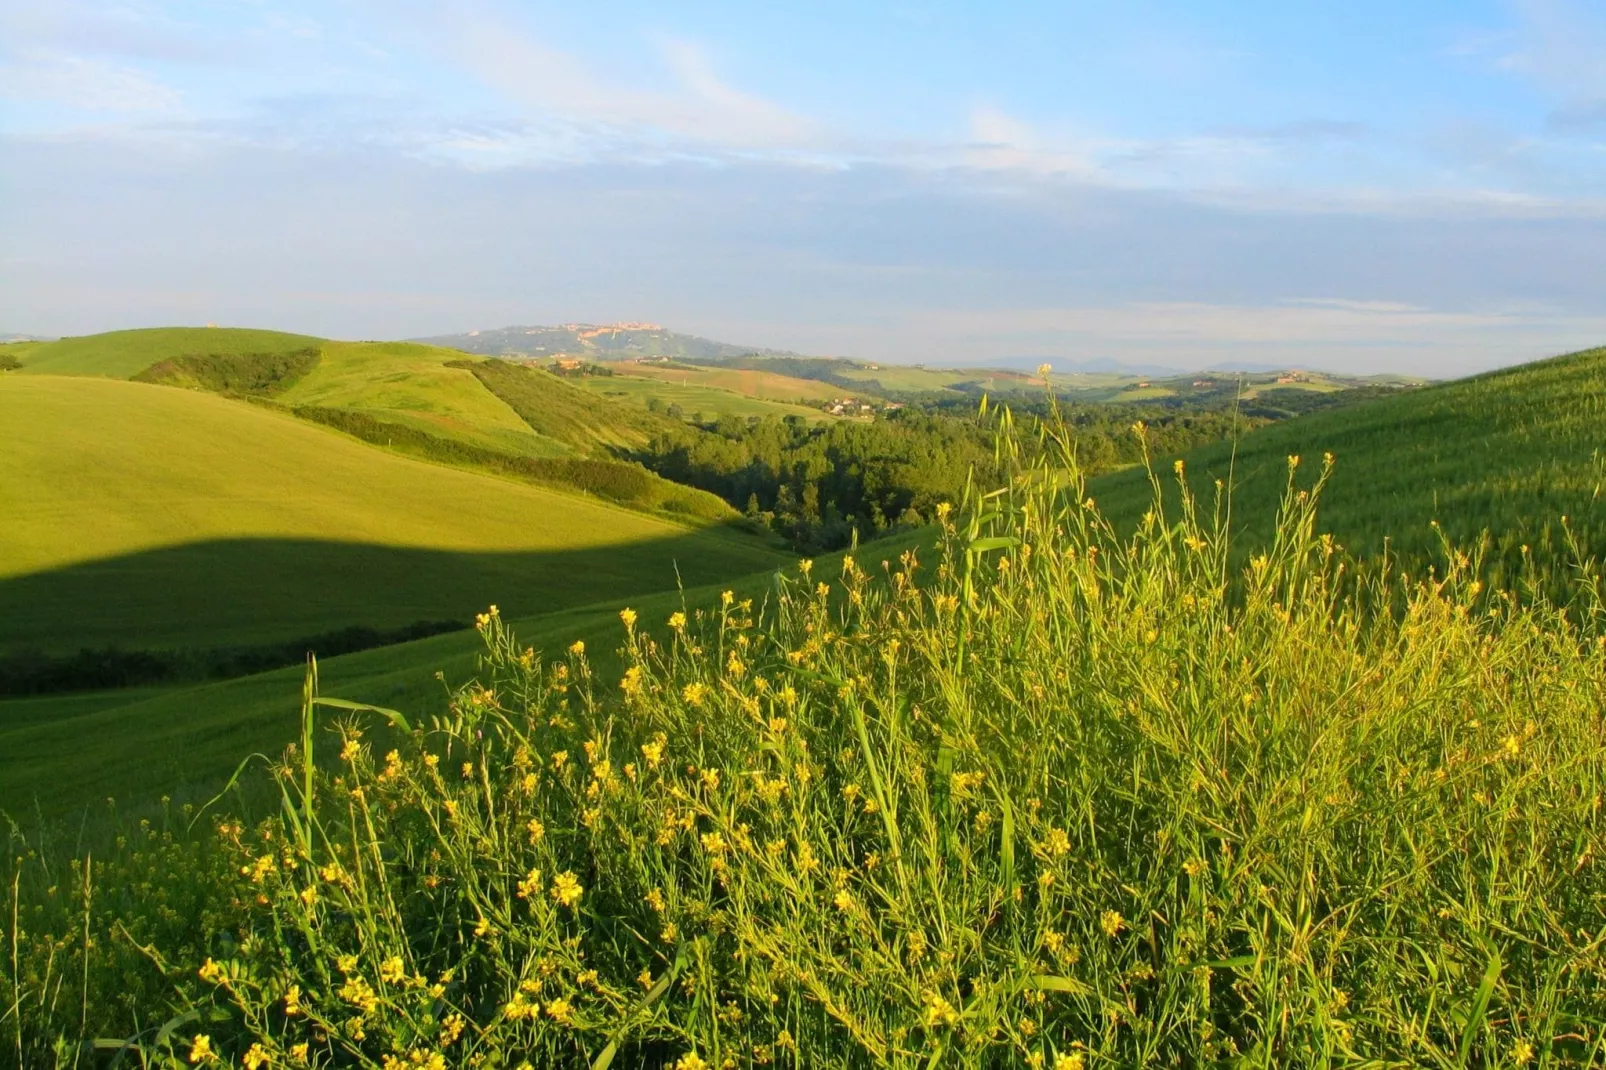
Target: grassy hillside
[[61, 752], [1510, 452], [418, 386], [146, 516], [563, 411], [124, 354]]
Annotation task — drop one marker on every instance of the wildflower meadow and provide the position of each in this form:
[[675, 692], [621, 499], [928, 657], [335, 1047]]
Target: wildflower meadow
[[1040, 797]]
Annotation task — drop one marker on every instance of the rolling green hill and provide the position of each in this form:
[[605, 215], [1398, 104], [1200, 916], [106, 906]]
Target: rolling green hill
[[1510, 452], [422, 387], [74, 750], [124, 354], [431, 403], [417, 386], [144, 516]]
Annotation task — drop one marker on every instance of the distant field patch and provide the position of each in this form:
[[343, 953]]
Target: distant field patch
[[748, 382], [692, 397]]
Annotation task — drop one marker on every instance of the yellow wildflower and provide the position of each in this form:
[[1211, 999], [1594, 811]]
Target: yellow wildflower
[[939, 1011], [298, 1052], [359, 994], [292, 1001], [653, 750], [1111, 922], [963, 785], [566, 889], [530, 886], [211, 972], [694, 693], [256, 1056], [559, 1011], [1068, 1061], [630, 683], [1057, 844], [201, 1049], [628, 615], [392, 970], [535, 829], [677, 620], [691, 1061], [577, 647]]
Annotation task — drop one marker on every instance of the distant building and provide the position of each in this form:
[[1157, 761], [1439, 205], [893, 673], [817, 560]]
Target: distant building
[[569, 364]]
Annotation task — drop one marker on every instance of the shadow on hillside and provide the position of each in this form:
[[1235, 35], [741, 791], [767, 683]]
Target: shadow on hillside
[[244, 592]]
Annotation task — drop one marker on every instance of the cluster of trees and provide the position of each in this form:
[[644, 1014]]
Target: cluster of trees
[[234, 374], [816, 484]]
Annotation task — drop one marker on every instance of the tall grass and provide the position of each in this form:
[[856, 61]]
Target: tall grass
[[1053, 798]]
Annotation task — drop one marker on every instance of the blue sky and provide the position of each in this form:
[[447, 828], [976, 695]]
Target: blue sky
[[1365, 186]]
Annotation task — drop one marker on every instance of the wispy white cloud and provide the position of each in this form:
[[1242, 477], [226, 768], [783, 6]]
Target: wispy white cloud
[[1560, 46], [82, 82], [1356, 335], [1003, 142], [700, 107]]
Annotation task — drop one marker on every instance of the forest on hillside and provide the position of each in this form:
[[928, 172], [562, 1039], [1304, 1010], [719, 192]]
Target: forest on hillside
[[819, 484]]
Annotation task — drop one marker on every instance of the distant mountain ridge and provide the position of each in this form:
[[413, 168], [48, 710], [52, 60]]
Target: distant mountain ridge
[[603, 341]]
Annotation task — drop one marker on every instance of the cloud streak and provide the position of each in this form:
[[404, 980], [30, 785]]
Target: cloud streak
[[84, 83], [546, 83]]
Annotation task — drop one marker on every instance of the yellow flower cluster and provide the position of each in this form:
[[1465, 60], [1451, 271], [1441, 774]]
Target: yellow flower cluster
[[566, 889]]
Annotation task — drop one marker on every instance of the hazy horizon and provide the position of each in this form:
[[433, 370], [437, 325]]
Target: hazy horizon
[[1362, 188]]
